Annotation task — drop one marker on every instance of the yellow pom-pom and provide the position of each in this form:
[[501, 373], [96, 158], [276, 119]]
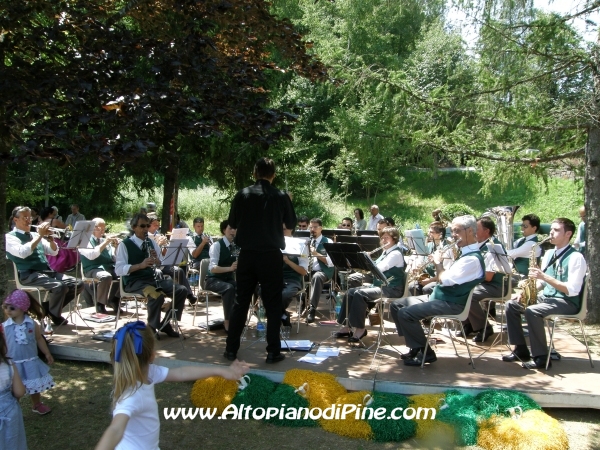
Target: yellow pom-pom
[[350, 426], [535, 430], [426, 428], [323, 388], [213, 392]]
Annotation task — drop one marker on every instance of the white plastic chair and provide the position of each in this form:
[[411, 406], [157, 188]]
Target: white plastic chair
[[92, 280], [579, 317], [203, 292], [25, 288], [460, 318], [132, 295]]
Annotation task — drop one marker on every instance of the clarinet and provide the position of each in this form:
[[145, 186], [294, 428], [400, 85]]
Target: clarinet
[[152, 254]]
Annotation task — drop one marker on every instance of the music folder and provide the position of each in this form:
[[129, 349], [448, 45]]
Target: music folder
[[296, 246], [347, 256]]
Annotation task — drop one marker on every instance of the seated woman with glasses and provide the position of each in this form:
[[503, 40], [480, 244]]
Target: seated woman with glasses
[[358, 301]]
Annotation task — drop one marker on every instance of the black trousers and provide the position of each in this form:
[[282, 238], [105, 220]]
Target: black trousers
[[265, 268]]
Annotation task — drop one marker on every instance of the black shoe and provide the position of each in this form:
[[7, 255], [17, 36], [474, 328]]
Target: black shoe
[[231, 356], [516, 356], [100, 308], [169, 331], [355, 339], [538, 362], [286, 322], [312, 311], [192, 299], [417, 360], [468, 330], [272, 358], [58, 320], [410, 355], [489, 330], [343, 335]]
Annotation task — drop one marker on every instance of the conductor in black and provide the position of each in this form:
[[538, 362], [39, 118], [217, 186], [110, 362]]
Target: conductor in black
[[258, 213]]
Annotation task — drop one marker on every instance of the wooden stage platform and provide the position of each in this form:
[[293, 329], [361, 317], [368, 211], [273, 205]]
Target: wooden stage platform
[[570, 383]]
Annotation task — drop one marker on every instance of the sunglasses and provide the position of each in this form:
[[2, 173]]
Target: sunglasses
[[9, 307], [144, 226]]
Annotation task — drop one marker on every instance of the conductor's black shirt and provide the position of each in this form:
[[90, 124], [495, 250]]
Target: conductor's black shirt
[[258, 212]]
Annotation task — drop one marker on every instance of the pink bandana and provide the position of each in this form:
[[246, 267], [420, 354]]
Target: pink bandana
[[18, 299]]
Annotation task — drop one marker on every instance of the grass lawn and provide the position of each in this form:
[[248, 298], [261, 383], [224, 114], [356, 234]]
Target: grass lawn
[[81, 411]]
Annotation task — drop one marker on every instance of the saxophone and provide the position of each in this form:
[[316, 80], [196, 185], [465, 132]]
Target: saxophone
[[529, 295]]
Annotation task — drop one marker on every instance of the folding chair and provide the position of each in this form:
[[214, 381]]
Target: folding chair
[[460, 318], [579, 317], [501, 300]]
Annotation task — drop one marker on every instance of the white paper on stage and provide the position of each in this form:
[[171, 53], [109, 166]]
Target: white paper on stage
[[179, 233], [296, 246], [175, 252], [416, 241], [312, 359], [500, 257], [80, 238], [328, 351]]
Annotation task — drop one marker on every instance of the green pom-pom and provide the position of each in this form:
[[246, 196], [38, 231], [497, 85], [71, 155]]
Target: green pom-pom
[[391, 430], [256, 394], [284, 395], [496, 401], [460, 412]]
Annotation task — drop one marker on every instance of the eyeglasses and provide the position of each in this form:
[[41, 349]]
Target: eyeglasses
[[144, 226], [9, 307]]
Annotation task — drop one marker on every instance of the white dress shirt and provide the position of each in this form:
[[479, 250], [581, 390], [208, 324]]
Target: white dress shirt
[[15, 248], [316, 266], [215, 252], [464, 269], [373, 222], [577, 268], [121, 264], [390, 259], [524, 251]]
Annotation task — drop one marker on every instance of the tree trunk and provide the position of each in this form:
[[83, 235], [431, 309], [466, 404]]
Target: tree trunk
[[592, 202], [171, 185], [3, 265]]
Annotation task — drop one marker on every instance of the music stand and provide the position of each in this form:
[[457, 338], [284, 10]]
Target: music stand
[[416, 241], [334, 233], [301, 234], [176, 251], [82, 233]]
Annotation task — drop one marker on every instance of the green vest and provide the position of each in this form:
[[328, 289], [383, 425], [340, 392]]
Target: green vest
[[36, 261], [522, 264], [398, 273], [561, 273], [204, 253], [328, 271], [136, 256], [458, 293], [104, 259], [289, 273], [225, 260]]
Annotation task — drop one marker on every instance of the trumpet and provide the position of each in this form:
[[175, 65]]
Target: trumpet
[[113, 238], [55, 231], [210, 241]]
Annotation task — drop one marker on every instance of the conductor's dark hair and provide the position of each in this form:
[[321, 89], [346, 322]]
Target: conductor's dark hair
[[223, 226], [135, 219], [264, 168], [533, 220]]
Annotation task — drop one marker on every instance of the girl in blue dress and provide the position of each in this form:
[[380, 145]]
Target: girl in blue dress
[[12, 430], [23, 337]]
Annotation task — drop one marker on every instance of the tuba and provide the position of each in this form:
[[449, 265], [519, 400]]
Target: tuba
[[504, 216], [529, 285]]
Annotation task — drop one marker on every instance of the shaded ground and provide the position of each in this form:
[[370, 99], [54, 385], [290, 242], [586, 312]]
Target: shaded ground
[[81, 411]]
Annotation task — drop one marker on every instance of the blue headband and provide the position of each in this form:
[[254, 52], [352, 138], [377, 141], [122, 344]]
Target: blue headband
[[131, 327]]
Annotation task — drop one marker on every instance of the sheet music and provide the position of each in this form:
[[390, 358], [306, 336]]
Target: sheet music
[[175, 252], [179, 233], [82, 232], [416, 241], [500, 257], [296, 246]]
